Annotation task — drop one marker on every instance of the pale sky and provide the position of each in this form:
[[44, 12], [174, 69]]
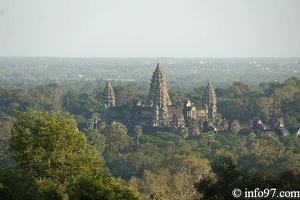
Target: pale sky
[[150, 28]]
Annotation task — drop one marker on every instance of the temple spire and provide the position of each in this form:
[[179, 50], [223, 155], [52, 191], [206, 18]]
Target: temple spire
[[159, 96], [158, 93], [109, 99], [210, 101]]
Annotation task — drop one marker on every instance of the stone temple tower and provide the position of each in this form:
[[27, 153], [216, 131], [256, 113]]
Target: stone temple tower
[[159, 97], [210, 102], [109, 99]]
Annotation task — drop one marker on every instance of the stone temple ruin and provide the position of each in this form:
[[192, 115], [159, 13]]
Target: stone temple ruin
[[158, 111]]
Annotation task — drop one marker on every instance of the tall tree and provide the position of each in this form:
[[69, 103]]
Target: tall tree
[[49, 146], [96, 119], [138, 131]]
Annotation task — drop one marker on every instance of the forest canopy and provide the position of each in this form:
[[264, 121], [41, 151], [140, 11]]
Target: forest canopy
[[54, 143]]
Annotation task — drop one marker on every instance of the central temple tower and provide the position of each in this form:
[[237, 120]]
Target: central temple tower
[[210, 101], [159, 98], [109, 99]]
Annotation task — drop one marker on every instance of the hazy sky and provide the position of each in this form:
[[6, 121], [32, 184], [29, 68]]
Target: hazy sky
[[150, 28]]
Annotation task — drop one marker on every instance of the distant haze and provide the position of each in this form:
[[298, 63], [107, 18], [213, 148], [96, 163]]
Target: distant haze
[[150, 28]]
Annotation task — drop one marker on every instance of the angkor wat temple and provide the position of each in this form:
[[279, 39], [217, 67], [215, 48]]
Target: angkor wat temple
[[158, 111]]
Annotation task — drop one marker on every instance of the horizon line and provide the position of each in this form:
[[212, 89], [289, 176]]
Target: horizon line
[[162, 57]]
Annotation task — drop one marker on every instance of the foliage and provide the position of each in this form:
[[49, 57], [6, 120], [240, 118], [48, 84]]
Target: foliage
[[82, 102], [173, 178], [49, 146], [209, 140], [88, 188], [49, 95], [235, 127], [127, 93], [5, 124], [16, 184], [118, 143], [138, 131], [228, 176], [95, 139], [54, 155]]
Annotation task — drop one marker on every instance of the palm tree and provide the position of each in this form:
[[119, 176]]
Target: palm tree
[[96, 118], [138, 131]]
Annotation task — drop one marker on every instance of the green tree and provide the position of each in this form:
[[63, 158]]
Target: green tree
[[235, 127], [138, 131], [81, 102], [48, 97], [218, 119], [209, 140], [15, 184], [49, 146], [96, 119], [153, 185], [185, 171], [125, 93], [194, 128], [95, 139], [88, 188], [173, 178], [229, 175], [116, 135], [15, 99], [220, 185], [291, 109], [118, 143], [239, 89], [5, 126]]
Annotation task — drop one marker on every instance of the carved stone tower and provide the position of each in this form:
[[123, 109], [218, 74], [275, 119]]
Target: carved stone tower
[[210, 101], [159, 97], [109, 99]]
